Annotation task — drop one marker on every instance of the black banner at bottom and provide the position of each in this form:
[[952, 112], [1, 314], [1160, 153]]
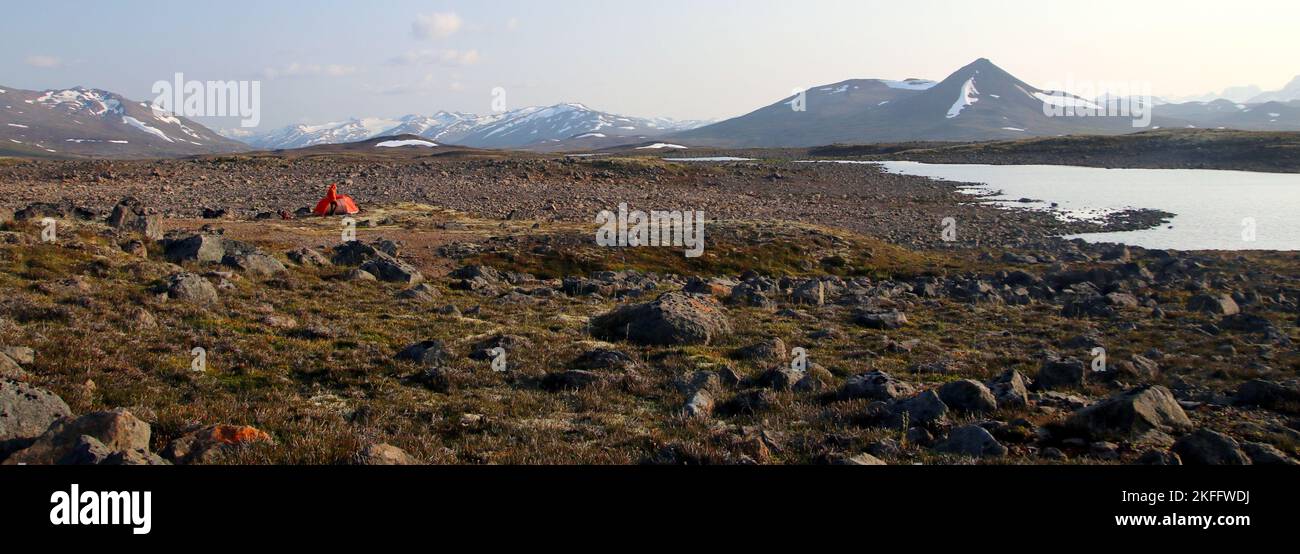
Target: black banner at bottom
[[325, 503]]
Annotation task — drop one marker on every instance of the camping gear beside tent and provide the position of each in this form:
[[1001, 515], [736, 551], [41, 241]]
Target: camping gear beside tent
[[335, 203]]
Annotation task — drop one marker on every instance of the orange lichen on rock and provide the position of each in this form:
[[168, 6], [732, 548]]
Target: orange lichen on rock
[[237, 434]]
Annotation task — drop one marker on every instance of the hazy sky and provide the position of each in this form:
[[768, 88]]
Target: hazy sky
[[325, 60]]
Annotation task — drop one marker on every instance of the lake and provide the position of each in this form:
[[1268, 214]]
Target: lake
[[1214, 208]]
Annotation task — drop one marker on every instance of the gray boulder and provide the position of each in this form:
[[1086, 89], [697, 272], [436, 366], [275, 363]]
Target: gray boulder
[[190, 287], [1269, 394], [892, 319], [392, 270], [130, 215], [924, 410], [1206, 447], [117, 429], [674, 318], [875, 385], [26, 412], [700, 403], [1131, 415], [195, 248], [1011, 389], [770, 351], [307, 257], [972, 440], [1218, 304], [1061, 374], [968, 395], [383, 454], [1266, 454], [428, 352]]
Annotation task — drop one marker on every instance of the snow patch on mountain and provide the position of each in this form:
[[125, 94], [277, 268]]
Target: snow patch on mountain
[[141, 126], [1064, 100], [910, 84], [409, 142], [969, 96]]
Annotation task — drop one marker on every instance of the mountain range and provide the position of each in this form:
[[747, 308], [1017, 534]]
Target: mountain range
[[536, 127], [1251, 94], [89, 122], [979, 101]]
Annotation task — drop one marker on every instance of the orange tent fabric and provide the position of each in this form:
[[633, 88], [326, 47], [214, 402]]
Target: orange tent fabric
[[335, 203]]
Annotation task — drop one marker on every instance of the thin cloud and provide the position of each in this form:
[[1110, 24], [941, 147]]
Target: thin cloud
[[43, 61], [512, 24], [436, 25], [308, 70], [437, 57], [424, 86]]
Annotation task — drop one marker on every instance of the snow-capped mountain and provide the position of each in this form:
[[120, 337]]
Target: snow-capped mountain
[[1288, 93], [980, 101], [443, 126], [299, 136], [537, 126], [92, 122]]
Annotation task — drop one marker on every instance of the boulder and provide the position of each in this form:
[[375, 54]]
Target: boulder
[[1156, 457], [307, 257], [1011, 389], [390, 269], [781, 378], [205, 445], [1261, 454], [1131, 415], [383, 454], [190, 287], [699, 404], [604, 359], [1218, 304], [195, 248], [354, 253], [892, 319], [26, 412], [875, 385], [86, 451], [771, 351], [863, 459], [1061, 374], [1269, 394], [972, 440], [358, 275], [1206, 447], [511, 343], [134, 457], [716, 287], [674, 318], [812, 292], [923, 410], [427, 352], [116, 429], [130, 215], [968, 395], [423, 292], [572, 379]]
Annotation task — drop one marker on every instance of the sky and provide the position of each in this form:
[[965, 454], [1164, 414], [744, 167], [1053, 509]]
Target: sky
[[329, 60]]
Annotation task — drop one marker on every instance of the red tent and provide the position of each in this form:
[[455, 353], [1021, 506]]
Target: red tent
[[335, 203]]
